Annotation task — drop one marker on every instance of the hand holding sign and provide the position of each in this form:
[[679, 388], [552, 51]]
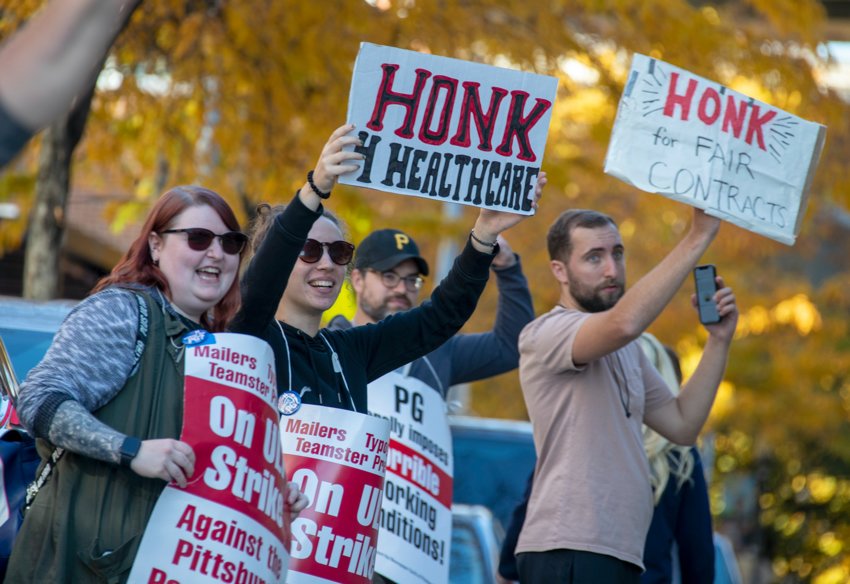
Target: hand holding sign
[[704, 226], [491, 223], [231, 522], [296, 500], [333, 162], [166, 459]]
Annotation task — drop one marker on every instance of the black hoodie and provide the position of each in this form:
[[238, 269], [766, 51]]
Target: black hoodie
[[304, 363]]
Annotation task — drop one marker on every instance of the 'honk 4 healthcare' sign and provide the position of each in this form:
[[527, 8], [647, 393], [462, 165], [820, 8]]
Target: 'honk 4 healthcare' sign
[[698, 142], [231, 522], [447, 129]]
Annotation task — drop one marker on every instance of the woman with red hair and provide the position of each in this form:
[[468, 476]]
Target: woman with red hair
[[106, 402]]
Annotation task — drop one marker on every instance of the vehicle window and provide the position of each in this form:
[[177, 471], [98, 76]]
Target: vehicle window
[[494, 469], [27, 328], [467, 562], [26, 348]]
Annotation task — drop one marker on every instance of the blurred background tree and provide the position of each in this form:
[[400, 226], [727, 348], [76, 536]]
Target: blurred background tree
[[242, 95]]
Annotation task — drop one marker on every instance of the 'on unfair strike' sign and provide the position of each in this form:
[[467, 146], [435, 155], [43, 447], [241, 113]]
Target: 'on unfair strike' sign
[[230, 523], [698, 142], [447, 129]]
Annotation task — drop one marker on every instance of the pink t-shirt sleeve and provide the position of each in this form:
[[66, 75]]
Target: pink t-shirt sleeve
[[550, 339]]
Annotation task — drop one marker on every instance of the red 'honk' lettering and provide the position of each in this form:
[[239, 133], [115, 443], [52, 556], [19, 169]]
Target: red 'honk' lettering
[[442, 96], [712, 107]]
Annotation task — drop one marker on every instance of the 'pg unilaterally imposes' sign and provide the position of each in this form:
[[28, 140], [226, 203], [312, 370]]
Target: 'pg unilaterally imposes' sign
[[704, 144], [447, 129]]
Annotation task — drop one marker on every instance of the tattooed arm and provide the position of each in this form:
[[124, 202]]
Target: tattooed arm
[[77, 430], [88, 363]]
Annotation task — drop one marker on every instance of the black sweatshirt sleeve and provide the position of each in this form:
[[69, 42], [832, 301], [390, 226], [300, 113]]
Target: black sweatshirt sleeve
[[481, 355], [405, 336]]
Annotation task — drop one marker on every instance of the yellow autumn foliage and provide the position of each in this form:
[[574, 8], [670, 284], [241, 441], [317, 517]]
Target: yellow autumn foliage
[[242, 95]]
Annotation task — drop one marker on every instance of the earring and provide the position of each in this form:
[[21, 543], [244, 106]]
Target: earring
[[156, 262]]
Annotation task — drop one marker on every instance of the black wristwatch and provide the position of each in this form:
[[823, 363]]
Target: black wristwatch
[[129, 449]]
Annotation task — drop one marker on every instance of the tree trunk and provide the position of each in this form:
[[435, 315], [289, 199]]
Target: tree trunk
[[53, 185], [47, 222]]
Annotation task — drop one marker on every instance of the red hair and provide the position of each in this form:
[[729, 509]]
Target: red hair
[[137, 267]]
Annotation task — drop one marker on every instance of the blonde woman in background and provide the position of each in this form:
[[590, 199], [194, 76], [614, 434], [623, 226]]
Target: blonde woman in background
[[679, 546]]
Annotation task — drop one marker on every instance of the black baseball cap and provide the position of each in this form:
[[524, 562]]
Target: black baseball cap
[[384, 249]]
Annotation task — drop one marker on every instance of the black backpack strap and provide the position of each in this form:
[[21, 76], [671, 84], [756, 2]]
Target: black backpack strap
[[141, 333]]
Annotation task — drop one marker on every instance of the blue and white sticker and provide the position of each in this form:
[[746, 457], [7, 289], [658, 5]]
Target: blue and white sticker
[[289, 402], [198, 337]]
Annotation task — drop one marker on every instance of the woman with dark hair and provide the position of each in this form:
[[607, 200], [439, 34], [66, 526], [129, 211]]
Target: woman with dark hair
[[106, 402], [297, 273]]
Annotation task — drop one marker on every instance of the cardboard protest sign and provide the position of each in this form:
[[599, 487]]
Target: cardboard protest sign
[[230, 523], [698, 142], [416, 518], [338, 459], [448, 129]]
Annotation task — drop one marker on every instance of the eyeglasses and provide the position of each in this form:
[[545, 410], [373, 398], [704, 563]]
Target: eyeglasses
[[200, 239], [340, 251], [391, 280]]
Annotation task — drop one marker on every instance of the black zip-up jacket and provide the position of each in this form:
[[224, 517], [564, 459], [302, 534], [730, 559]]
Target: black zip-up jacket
[[365, 352]]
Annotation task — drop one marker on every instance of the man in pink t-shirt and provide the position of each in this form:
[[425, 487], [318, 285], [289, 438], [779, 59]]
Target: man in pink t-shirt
[[588, 389]]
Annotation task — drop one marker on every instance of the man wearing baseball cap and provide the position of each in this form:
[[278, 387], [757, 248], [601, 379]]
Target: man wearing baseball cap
[[387, 278]]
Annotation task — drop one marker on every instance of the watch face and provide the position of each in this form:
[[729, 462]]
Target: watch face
[[129, 449]]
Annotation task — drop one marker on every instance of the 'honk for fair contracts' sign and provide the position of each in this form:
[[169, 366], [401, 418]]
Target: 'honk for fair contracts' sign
[[698, 142]]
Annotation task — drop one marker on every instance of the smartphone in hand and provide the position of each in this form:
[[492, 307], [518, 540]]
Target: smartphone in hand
[[706, 286]]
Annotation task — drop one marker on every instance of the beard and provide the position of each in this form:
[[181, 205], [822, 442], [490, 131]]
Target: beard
[[594, 299], [378, 311]]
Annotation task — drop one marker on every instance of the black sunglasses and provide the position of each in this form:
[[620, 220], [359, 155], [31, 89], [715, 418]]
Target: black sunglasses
[[341, 252], [200, 239]]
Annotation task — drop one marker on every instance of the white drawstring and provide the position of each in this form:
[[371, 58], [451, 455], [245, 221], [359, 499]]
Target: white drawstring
[[338, 369], [334, 359]]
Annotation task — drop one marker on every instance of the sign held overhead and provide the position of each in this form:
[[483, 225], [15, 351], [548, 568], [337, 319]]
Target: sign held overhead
[[704, 144], [447, 129]]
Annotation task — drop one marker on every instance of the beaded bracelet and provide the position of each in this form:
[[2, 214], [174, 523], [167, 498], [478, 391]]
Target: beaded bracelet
[[484, 243], [320, 194]]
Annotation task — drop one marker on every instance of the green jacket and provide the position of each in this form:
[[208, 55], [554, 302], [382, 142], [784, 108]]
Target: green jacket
[[87, 521]]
